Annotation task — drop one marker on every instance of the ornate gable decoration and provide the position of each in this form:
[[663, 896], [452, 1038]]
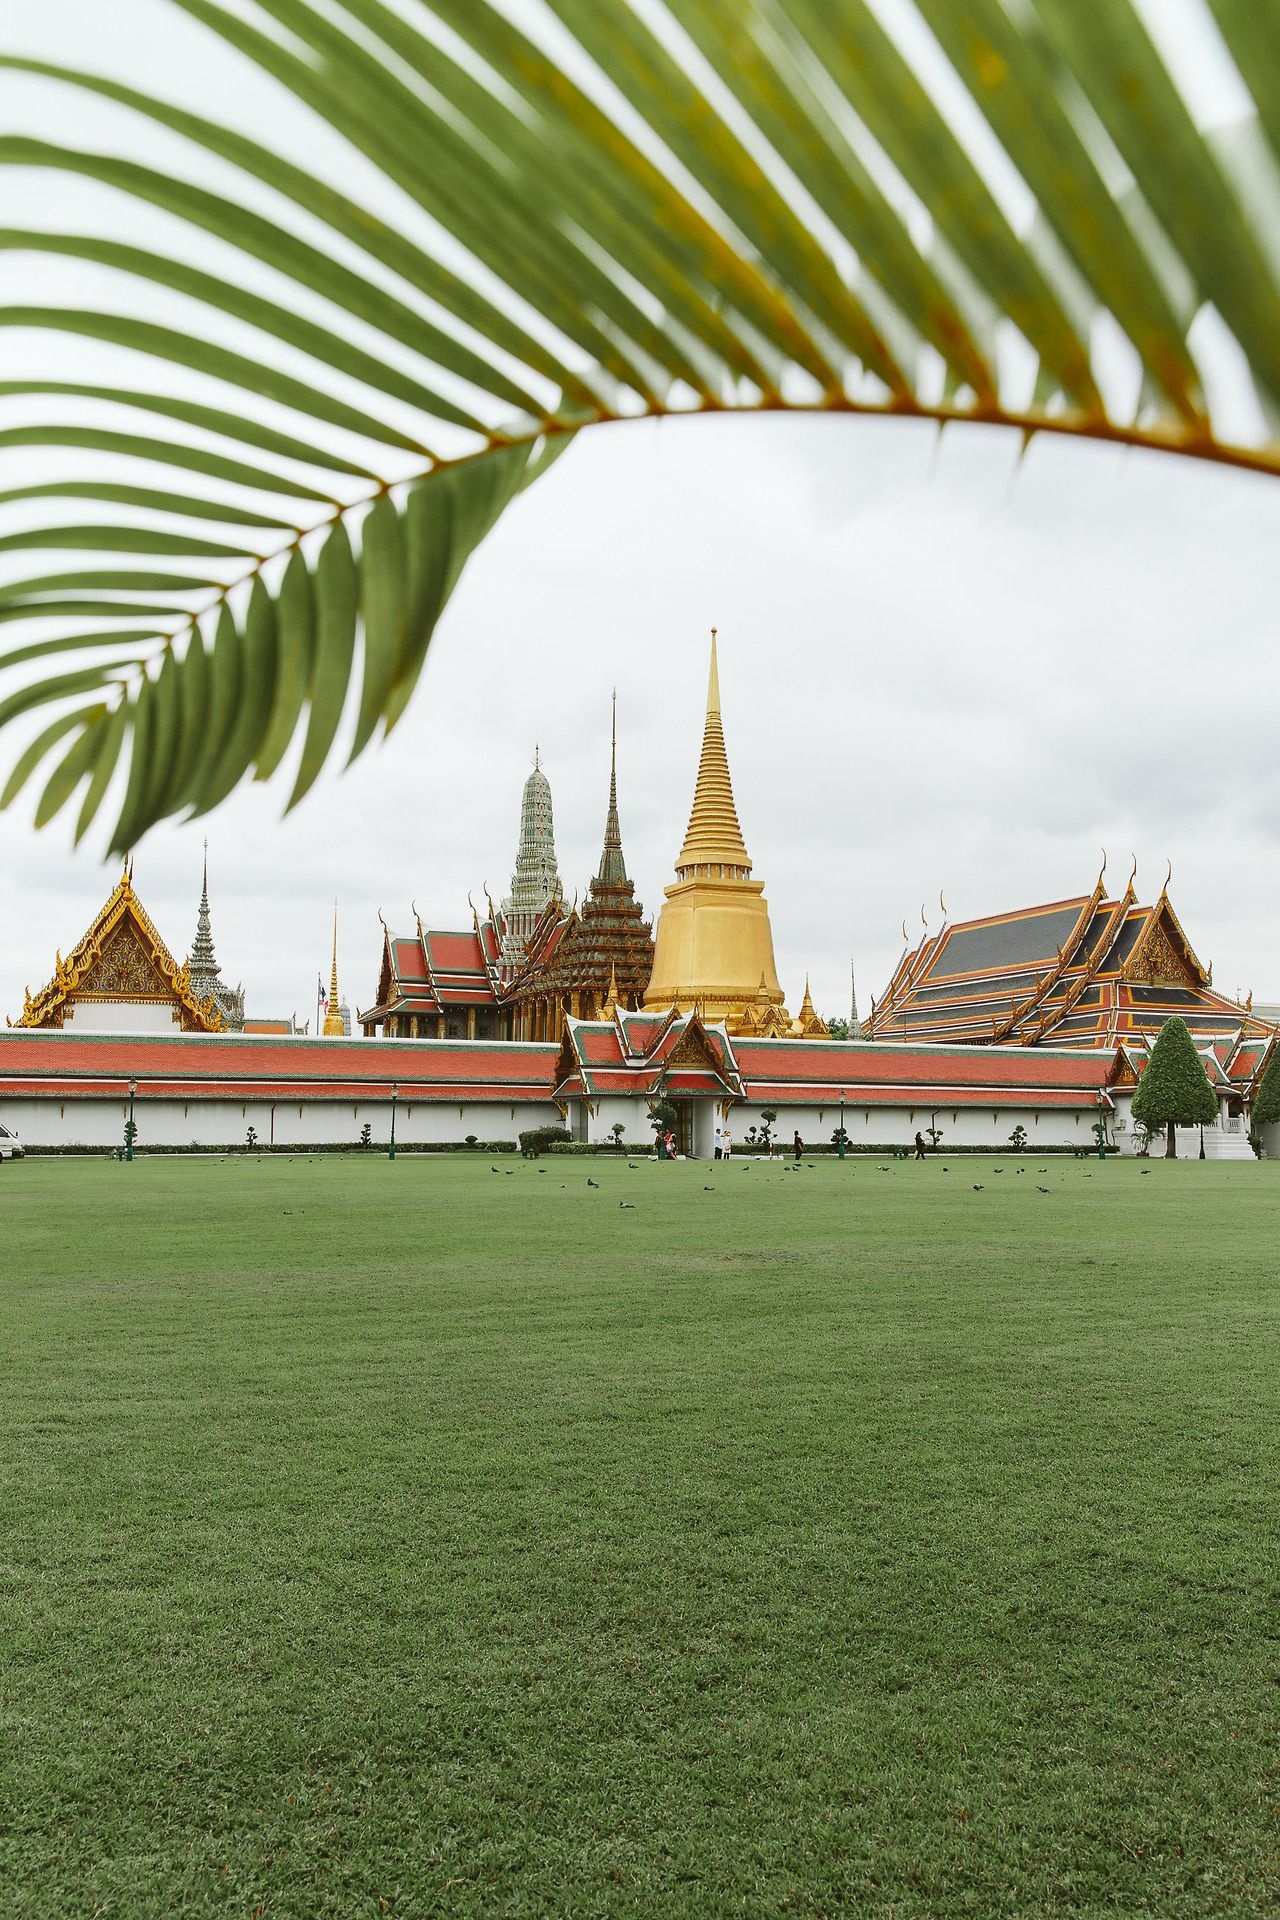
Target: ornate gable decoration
[[121, 957], [1161, 957], [694, 1050]]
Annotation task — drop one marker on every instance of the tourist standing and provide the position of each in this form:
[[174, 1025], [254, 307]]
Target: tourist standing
[[719, 1141], [669, 1141], [726, 1142], [919, 1145], [797, 1147]]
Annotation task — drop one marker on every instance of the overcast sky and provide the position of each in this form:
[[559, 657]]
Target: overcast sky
[[941, 670]]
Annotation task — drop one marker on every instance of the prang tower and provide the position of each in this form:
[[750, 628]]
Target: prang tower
[[714, 944]]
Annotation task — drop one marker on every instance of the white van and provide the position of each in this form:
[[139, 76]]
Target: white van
[[11, 1148]]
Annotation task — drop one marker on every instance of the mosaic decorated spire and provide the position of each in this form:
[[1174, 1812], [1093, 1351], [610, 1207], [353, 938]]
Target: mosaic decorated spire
[[201, 964], [203, 968], [714, 837], [536, 880]]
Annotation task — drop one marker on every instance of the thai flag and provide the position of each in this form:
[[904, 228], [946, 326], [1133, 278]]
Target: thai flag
[[322, 998]]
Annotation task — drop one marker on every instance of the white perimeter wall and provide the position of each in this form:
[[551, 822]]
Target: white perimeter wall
[[223, 1123], [303, 1123], [872, 1127]]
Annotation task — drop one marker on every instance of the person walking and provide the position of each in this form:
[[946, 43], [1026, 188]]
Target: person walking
[[669, 1141], [919, 1144], [797, 1147]]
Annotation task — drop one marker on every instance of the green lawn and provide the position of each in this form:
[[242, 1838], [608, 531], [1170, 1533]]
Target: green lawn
[[413, 1539]]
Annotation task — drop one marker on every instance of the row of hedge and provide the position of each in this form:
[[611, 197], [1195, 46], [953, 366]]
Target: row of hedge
[[378, 1148]]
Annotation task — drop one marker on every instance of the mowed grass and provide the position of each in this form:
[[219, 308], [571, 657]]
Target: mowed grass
[[415, 1539]]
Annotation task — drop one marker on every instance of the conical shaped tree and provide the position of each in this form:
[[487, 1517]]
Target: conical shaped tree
[[1175, 1090], [1266, 1108]]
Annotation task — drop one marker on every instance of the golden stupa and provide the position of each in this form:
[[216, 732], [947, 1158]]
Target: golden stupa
[[334, 1028], [714, 945]]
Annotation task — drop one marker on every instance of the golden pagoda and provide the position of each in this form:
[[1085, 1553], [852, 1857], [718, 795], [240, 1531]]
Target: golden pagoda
[[714, 944], [334, 1027]]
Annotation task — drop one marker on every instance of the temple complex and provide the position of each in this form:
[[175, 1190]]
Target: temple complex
[[588, 961], [1092, 971], [516, 972], [120, 977], [714, 947]]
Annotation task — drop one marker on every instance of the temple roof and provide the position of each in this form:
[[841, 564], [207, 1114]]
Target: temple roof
[[714, 837], [260, 1067], [1085, 972], [628, 1055], [121, 957]]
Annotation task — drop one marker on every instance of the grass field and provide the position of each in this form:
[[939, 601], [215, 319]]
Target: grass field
[[412, 1539]]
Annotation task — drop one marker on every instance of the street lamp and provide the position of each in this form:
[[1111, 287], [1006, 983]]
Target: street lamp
[[391, 1150], [1102, 1124], [840, 1140], [129, 1128]]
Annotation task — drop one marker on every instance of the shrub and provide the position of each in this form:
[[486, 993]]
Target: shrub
[[1174, 1091], [1018, 1139], [536, 1140], [1266, 1108]]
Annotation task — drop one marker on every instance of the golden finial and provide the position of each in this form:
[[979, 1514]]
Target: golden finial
[[333, 1019]]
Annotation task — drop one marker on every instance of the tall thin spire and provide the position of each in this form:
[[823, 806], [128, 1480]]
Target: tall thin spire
[[714, 837], [333, 1026], [612, 870], [201, 962]]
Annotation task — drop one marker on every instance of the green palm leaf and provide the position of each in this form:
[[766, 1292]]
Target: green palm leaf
[[691, 206]]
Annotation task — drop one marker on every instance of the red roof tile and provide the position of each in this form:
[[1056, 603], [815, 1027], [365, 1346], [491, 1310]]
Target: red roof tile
[[196, 1059]]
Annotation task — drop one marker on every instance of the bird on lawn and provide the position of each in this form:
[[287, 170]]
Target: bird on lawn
[[508, 1173], [591, 1182], [495, 1169], [1143, 1172], [1042, 1189], [628, 1203], [978, 1189], [708, 1189]]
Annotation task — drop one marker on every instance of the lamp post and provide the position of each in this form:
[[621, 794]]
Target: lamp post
[[391, 1149], [840, 1140], [129, 1128], [1102, 1124]]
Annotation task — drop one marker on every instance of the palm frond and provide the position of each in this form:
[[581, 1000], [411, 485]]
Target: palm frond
[[694, 207]]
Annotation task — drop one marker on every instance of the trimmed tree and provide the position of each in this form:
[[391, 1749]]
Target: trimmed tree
[[1266, 1108], [1174, 1091]]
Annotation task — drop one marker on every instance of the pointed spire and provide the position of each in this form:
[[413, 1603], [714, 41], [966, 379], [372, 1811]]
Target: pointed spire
[[333, 1027], [714, 837], [204, 967], [612, 870], [610, 1006]]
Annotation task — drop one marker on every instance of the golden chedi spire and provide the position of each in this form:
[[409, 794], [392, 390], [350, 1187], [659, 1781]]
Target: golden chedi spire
[[333, 1027], [714, 837], [714, 946]]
